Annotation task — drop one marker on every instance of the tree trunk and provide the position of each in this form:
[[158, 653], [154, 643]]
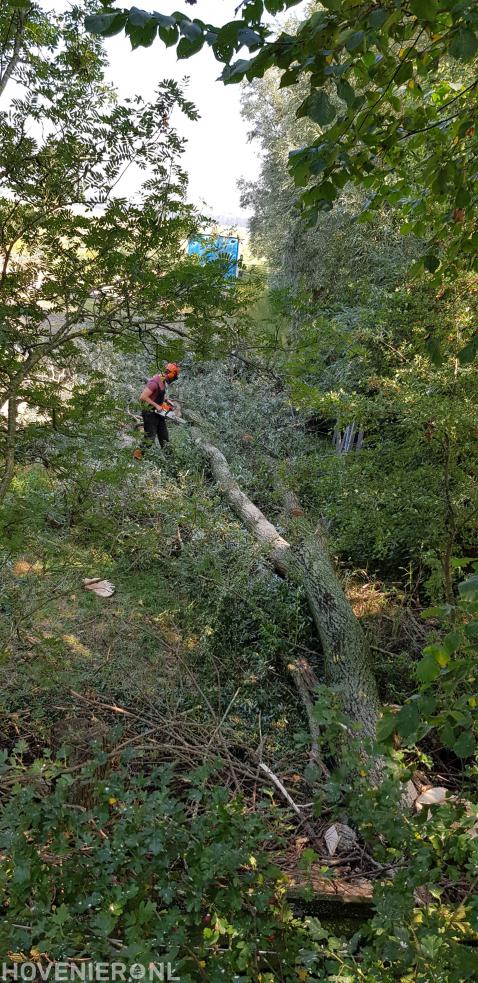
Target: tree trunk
[[343, 641], [19, 20], [9, 447]]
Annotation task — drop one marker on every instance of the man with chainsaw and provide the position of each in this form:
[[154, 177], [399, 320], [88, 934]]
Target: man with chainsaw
[[155, 407]]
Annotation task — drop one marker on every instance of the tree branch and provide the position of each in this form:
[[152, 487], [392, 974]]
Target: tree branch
[[21, 18]]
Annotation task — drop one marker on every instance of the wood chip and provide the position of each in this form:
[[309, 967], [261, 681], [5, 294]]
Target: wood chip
[[331, 838], [433, 796], [339, 838], [409, 795], [103, 588]]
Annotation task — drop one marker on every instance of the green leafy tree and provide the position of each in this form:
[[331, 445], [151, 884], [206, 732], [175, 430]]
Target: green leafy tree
[[355, 347], [77, 262], [391, 86], [339, 261]]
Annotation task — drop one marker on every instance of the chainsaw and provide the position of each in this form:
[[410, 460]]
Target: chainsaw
[[167, 410]]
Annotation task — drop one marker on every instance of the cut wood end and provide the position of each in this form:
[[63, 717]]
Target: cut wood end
[[433, 796], [103, 588], [340, 837]]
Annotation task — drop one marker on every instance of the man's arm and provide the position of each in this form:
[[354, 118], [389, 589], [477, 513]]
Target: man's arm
[[146, 397]]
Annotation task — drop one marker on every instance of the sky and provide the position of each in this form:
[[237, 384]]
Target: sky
[[218, 152]]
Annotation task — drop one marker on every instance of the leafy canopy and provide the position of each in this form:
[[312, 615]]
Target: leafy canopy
[[391, 89]]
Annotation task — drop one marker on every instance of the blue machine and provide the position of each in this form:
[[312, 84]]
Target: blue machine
[[220, 247]]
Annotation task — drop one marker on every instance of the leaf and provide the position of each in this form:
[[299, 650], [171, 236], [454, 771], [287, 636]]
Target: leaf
[[431, 262], [253, 10], [250, 38], [469, 588], [317, 165], [169, 35], [190, 30], [331, 838], [106, 24], [186, 47], [428, 669], [163, 21], [451, 642], [386, 726], [378, 17], [355, 41], [468, 354], [424, 9], [227, 36], [432, 346], [465, 746], [471, 630], [408, 719], [274, 6], [464, 959], [290, 77], [103, 588], [142, 36], [236, 72], [104, 922], [318, 107], [345, 92], [439, 652], [461, 561], [463, 45], [433, 796], [61, 915], [405, 72], [440, 611], [139, 18], [263, 60]]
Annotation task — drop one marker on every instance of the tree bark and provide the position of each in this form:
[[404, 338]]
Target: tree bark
[[9, 447], [19, 20], [343, 641], [10, 396]]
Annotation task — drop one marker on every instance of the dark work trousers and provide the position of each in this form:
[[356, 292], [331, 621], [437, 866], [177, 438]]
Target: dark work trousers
[[154, 426]]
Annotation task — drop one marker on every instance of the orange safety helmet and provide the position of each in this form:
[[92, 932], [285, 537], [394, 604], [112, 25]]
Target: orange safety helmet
[[171, 371]]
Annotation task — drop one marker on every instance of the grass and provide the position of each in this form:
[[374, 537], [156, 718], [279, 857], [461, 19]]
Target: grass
[[195, 617]]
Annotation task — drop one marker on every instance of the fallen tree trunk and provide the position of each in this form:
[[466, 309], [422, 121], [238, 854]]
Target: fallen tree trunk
[[343, 642]]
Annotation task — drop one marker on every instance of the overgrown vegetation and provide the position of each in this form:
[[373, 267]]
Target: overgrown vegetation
[[181, 783]]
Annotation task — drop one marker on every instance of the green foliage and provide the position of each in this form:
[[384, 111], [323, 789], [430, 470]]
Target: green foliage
[[185, 575], [160, 857], [391, 88], [103, 845], [79, 263], [445, 709], [141, 866], [340, 265], [369, 365], [425, 899]]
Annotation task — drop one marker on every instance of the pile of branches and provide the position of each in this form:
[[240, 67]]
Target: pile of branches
[[146, 737]]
